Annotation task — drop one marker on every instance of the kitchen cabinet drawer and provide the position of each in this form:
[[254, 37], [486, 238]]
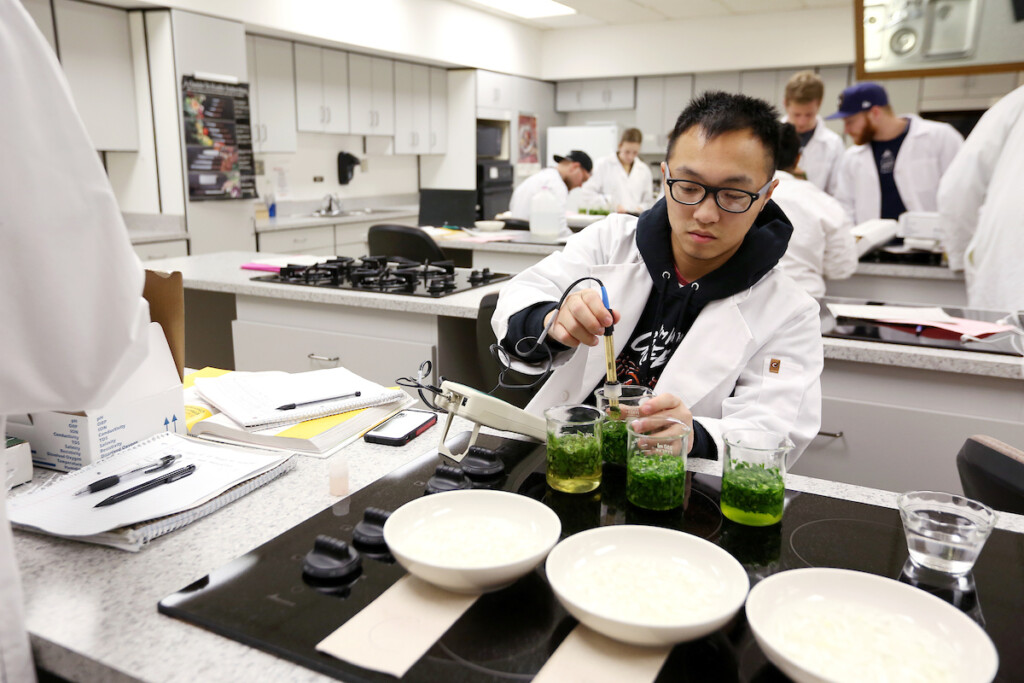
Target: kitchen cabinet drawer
[[262, 346], [319, 240], [159, 250]]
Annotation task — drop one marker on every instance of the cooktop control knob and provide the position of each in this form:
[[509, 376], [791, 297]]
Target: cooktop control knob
[[486, 274], [482, 464], [369, 533], [448, 478], [331, 559], [476, 277]]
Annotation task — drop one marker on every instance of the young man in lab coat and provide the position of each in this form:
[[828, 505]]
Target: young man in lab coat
[[71, 303], [701, 314], [896, 162], [980, 207], [622, 177], [571, 172], [820, 148], [822, 244]]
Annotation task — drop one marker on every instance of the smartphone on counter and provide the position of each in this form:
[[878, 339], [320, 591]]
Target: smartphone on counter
[[402, 428]]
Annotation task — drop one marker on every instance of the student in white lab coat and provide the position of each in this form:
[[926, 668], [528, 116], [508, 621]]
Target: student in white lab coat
[[820, 148], [71, 301], [822, 245], [701, 314], [622, 177], [571, 172], [897, 161], [980, 206]]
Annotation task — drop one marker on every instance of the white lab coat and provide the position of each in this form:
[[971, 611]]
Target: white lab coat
[[820, 156], [822, 244], [632, 190], [722, 369], [924, 156], [981, 210], [549, 179], [71, 303]]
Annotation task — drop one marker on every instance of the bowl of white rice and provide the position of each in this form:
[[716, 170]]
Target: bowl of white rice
[[646, 585], [472, 541]]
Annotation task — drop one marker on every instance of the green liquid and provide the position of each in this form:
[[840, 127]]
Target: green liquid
[[613, 441], [656, 482], [753, 495], [574, 462]]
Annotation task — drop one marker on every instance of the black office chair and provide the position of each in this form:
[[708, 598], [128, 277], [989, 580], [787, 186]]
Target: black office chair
[[401, 240], [489, 367], [992, 472]]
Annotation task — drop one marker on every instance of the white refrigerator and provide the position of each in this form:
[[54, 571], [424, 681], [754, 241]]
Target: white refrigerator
[[597, 141]]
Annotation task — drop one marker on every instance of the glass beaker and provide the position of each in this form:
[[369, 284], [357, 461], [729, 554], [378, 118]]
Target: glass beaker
[[574, 448], [656, 462], [613, 429], [753, 472]]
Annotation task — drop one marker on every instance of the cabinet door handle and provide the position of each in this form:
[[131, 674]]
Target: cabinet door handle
[[497, 95], [265, 135], [831, 435], [433, 140], [328, 114], [326, 359], [323, 117]]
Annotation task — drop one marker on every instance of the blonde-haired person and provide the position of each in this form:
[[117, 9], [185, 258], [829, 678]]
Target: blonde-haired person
[[820, 147], [623, 177]]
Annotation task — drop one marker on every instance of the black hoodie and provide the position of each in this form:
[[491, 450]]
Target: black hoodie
[[672, 307]]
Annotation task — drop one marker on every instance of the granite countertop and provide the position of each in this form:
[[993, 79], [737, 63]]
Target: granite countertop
[[909, 271], [943, 360], [221, 272], [521, 245], [307, 221], [146, 228], [91, 610]]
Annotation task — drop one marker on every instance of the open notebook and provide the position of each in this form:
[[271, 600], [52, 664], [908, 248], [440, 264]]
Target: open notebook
[[254, 399], [222, 475]]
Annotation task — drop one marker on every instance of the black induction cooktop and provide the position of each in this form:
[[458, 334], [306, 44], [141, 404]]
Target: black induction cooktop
[[265, 600]]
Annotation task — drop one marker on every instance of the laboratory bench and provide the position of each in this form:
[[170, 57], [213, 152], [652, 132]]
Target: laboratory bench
[[91, 611]]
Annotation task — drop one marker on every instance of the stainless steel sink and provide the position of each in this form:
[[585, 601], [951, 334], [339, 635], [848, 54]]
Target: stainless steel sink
[[352, 212]]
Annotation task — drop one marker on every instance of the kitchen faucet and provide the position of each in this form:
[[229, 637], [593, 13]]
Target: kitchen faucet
[[330, 206]]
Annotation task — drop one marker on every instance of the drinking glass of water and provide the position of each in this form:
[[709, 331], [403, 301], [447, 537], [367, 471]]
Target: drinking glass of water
[[945, 532]]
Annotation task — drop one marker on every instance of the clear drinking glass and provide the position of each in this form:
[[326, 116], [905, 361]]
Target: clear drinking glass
[[945, 532], [613, 430], [656, 462], [753, 472], [574, 448]]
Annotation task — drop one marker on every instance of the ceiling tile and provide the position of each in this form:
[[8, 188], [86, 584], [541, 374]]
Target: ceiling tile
[[816, 4], [761, 6], [568, 21], [615, 11], [690, 9]]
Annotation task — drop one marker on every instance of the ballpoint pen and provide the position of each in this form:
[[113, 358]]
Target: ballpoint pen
[[293, 406], [115, 479], [151, 484]]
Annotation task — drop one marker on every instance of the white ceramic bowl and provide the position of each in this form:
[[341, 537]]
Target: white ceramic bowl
[[646, 585], [472, 541], [809, 620], [489, 226]]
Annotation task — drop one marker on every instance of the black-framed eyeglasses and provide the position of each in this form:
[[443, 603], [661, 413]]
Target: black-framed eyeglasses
[[729, 199]]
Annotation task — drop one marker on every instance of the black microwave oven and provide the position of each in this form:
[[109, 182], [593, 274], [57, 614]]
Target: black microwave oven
[[488, 140]]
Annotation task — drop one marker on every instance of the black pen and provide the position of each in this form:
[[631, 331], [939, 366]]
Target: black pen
[[293, 406], [115, 479], [151, 484]]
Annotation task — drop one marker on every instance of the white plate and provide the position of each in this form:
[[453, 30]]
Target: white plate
[[809, 620], [646, 585], [489, 226], [581, 220], [472, 541]]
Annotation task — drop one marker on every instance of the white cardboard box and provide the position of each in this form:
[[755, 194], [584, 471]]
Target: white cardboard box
[[150, 401]]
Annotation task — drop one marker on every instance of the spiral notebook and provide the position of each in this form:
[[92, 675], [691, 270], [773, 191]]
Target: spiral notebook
[[254, 399], [222, 475]]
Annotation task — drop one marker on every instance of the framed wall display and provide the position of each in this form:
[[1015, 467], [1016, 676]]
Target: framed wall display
[[910, 38], [218, 140]]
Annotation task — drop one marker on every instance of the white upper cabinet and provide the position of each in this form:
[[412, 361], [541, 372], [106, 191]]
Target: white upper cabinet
[[271, 94], [495, 91], [412, 108], [659, 100], [96, 54], [438, 143], [321, 89], [371, 82], [595, 95]]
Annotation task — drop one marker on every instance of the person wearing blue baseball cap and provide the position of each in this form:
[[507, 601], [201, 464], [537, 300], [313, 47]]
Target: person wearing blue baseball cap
[[896, 162]]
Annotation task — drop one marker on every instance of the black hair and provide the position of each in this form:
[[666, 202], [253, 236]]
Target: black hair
[[789, 146], [719, 112]]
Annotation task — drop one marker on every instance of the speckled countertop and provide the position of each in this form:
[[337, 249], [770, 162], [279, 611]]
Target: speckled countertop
[[520, 245], [293, 222], [221, 272], [144, 228], [901, 270], [92, 613], [943, 360]]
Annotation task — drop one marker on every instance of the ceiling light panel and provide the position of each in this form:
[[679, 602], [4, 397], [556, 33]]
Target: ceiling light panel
[[527, 9]]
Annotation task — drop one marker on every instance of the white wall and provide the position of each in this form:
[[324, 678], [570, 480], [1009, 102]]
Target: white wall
[[748, 41], [317, 155]]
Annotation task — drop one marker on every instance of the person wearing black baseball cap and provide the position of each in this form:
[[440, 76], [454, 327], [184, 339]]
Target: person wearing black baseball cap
[[896, 162], [572, 171]]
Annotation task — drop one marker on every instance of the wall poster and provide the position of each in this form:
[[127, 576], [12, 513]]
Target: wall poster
[[218, 140], [527, 159]]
